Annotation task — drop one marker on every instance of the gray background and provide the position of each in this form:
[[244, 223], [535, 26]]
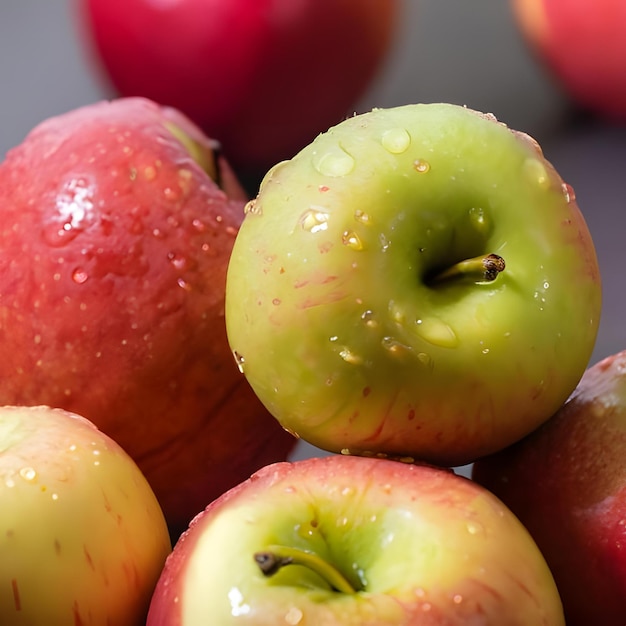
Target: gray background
[[461, 51]]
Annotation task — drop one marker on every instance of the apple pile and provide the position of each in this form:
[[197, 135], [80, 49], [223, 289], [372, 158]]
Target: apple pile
[[264, 77], [415, 289]]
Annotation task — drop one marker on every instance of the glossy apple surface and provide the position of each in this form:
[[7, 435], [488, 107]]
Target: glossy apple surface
[[417, 545], [582, 46], [82, 537], [567, 484], [114, 244], [357, 301], [264, 77]]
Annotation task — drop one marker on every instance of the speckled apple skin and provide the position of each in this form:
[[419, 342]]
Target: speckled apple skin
[[333, 315], [82, 537], [113, 251], [567, 483]]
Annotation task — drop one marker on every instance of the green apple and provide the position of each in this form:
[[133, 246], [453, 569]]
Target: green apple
[[418, 281], [567, 483], [351, 540], [83, 539]]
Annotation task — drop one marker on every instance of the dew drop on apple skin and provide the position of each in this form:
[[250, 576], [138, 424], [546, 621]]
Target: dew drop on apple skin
[[421, 166], [293, 616], [535, 172], [239, 360], [396, 140], [28, 474], [80, 276], [436, 332], [334, 162], [352, 240], [314, 220]]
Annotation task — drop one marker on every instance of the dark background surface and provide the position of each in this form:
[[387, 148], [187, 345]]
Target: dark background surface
[[460, 51]]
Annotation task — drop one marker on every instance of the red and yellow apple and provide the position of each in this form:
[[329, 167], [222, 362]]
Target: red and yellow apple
[[567, 483], [82, 537], [349, 540], [264, 77], [582, 44], [117, 220]]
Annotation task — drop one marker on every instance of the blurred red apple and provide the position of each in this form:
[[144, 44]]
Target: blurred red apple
[[82, 537], [264, 77], [567, 484], [114, 243], [583, 45]]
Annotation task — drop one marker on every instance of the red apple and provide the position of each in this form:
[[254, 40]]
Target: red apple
[[264, 77], [82, 537], [567, 484], [582, 44], [360, 541], [114, 243]]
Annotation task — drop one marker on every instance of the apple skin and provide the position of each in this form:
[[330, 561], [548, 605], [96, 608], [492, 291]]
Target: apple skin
[[427, 547], [264, 77], [567, 484], [336, 320], [582, 46], [115, 243], [82, 537]]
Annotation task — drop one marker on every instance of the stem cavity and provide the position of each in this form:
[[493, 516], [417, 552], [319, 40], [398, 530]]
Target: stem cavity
[[275, 558]]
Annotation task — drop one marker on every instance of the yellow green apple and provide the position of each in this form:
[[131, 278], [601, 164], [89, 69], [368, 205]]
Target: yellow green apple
[[418, 281], [83, 539], [349, 540]]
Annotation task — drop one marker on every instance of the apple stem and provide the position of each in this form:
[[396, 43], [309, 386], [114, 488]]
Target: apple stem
[[276, 557], [482, 268]]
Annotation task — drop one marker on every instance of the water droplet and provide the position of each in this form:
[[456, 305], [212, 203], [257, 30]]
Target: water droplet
[[252, 208], [79, 276], [536, 172], [457, 598], [28, 473], [239, 360], [183, 284], [368, 318], [437, 332], [568, 192], [396, 140], [334, 162], [350, 357], [474, 528], [397, 313], [425, 358], [363, 217], [421, 166], [314, 220], [352, 240], [177, 260], [293, 616], [478, 218], [395, 347]]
